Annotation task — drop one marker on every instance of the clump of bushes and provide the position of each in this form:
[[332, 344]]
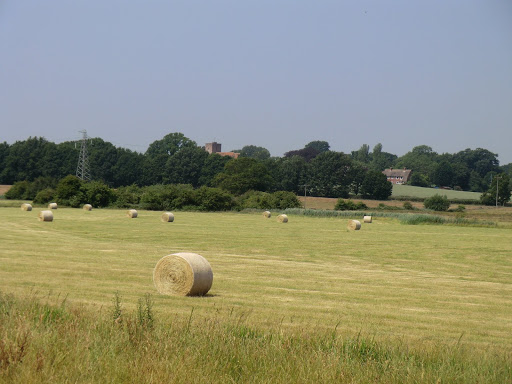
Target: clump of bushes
[[25, 190], [74, 192], [437, 203], [264, 200], [349, 205], [181, 196], [460, 208], [127, 197], [45, 196], [408, 206]]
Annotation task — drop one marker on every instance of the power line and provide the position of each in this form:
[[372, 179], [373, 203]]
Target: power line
[[83, 169]]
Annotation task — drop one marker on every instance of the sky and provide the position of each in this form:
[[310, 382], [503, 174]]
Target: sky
[[271, 73]]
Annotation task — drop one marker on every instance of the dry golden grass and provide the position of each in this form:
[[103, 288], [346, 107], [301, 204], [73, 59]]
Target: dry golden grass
[[4, 189]]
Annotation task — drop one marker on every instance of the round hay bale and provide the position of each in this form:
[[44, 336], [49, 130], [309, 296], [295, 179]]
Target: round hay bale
[[131, 213], [282, 218], [167, 217], [52, 206], [267, 214], [45, 216], [183, 274], [26, 207], [354, 225], [87, 207], [367, 219]]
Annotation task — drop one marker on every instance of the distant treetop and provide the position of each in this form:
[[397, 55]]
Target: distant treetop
[[320, 146]]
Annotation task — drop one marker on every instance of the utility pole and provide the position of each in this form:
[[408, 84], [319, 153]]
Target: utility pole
[[305, 186], [497, 188], [83, 170]]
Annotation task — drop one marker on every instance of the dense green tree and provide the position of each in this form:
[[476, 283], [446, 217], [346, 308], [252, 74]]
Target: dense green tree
[[4, 150], [381, 160], [184, 167], [329, 174], [153, 169], [29, 159], [128, 169], [255, 152], [103, 158], [243, 174], [376, 186], [68, 153], [507, 168], [357, 174], [444, 174], [422, 159], [213, 165], [499, 190], [479, 160], [476, 182], [307, 154], [419, 180], [362, 154], [318, 145], [290, 174], [169, 145], [461, 175]]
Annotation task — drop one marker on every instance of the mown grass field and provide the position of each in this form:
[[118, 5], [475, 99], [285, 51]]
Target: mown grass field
[[411, 191], [411, 288]]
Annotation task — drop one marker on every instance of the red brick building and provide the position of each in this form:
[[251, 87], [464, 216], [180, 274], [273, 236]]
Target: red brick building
[[215, 147], [398, 176]]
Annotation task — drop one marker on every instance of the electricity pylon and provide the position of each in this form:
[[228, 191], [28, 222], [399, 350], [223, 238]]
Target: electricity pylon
[[83, 170]]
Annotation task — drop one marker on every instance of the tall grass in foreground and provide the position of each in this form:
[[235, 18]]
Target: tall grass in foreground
[[47, 340], [404, 218]]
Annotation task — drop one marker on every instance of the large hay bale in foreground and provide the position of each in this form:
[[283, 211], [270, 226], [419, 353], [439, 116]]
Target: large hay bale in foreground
[[45, 216], [367, 219], [167, 217], [282, 218], [87, 207], [26, 207], [131, 213], [267, 214], [52, 206], [354, 225], [183, 274]]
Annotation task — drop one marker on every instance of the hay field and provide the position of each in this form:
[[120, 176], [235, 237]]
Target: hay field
[[409, 283]]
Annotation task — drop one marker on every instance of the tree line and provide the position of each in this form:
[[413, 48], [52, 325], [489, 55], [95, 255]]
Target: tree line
[[175, 159]]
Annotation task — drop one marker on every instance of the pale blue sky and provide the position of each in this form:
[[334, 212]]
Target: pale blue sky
[[272, 73]]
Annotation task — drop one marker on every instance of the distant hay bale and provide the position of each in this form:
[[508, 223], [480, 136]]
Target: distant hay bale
[[282, 218], [367, 219], [45, 216], [167, 217], [52, 206], [131, 213], [26, 207], [183, 274], [354, 225], [87, 207], [267, 214]]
